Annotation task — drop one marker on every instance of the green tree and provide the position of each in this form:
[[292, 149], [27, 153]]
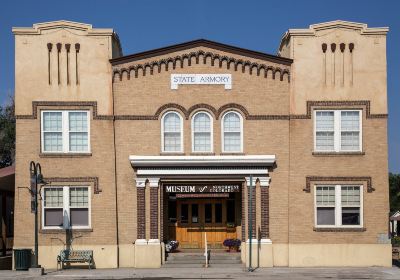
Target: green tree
[[7, 133], [394, 191]]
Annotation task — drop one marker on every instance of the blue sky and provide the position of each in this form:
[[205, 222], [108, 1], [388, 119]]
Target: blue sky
[[256, 25]]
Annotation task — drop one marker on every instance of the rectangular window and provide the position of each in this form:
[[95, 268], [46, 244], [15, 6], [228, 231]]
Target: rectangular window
[[184, 213], [338, 131], [66, 207], [338, 206], [208, 213], [195, 213], [65, 131], [230, 211], [218, 213]]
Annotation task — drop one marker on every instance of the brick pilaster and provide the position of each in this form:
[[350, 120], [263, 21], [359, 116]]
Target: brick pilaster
[[141, 212], [243, 213], [264, 212], [153, 212]]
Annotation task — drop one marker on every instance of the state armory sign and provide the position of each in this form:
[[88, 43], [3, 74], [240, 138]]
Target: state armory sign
[[202, 188], [201, 79]]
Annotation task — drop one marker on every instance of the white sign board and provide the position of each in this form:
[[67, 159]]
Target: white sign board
[[201, 79]]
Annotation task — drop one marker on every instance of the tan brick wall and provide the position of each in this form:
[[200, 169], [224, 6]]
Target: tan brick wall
[[291, 210]]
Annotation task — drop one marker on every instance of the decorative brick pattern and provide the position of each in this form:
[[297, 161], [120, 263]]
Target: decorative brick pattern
[[153, 212], [340, 229], [94, 180], [310, 179], [92, 104], [238, 64], [162, 217], [253, 209], [141, 212], [264, 212]]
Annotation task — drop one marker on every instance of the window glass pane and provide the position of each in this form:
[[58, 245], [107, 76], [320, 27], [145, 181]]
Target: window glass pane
[[195, 213], [232, 141], [350, 121], [218, 213], [172, 211], [52, 121], [325, 141], [202, 141], [53, 197], [172, 122], [78, 121], [230, 211], [184, 213], [53, 217], [232, 122], [325, 121], [350, 195], [78, 141], [208, 213], [202, 123], [172, 132], [350, 141], [79, 216], [52, 141], [351, 216], [326, 216], [325, 196], [78, 197], [172, 142]]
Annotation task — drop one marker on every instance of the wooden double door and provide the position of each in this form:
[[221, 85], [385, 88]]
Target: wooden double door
[[197, 217]]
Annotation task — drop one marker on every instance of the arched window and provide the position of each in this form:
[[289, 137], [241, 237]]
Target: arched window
[[202, 132], [172, 132], [232, 132]]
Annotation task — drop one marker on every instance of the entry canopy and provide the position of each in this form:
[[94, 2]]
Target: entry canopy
[[154, 168], [177, 161]]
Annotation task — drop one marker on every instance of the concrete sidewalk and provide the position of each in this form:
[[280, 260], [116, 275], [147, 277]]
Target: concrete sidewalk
[[213, 273]]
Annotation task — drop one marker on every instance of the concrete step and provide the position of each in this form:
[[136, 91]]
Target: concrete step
[[201, 257], [197, 265], [203, 261]]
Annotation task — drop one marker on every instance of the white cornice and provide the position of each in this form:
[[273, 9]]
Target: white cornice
[[37, 28], [208, 161]]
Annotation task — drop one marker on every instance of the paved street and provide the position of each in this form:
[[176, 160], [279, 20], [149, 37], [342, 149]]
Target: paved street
[[214, 273]]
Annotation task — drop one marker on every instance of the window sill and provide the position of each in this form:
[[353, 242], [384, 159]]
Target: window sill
[[202, 154], [340, 229], [337, 154], [62, 230], [172, 154], [232, 154], [64, 155]]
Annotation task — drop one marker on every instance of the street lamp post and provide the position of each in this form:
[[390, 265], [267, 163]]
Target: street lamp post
[[250, 216], [36, 178]]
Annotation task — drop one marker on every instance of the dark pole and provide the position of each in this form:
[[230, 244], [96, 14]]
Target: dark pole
[[250, 220], [34, 168]]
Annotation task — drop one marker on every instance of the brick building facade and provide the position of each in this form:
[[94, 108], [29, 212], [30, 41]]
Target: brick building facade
[[165, 144]]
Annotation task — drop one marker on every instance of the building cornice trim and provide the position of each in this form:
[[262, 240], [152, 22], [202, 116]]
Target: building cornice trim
[[351, 179], [216, 112]]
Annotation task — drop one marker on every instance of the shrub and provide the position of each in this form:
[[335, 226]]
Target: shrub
[[232, 243], [171, 246]]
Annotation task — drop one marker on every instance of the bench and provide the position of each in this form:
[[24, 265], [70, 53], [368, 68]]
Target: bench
[[69, 256]]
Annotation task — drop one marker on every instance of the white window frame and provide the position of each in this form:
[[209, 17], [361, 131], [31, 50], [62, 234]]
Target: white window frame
[[223, 132], [337, 134], [211, 132], [66, 208], [163, 135], [338, 206], [64, 131]]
